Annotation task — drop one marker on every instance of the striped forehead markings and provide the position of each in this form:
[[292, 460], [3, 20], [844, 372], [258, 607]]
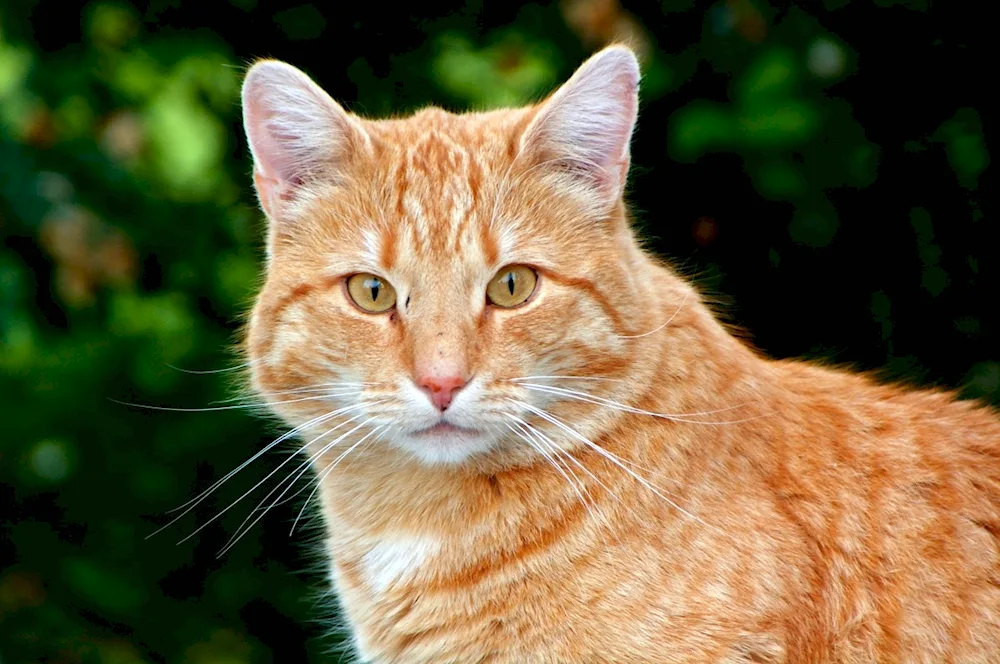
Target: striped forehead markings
[[438, 185]]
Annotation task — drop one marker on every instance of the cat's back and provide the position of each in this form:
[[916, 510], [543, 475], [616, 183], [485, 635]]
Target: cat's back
[[896, 494], [917, 436]]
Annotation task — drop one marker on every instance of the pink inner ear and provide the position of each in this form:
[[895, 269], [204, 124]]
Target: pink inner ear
[[585, 127], [294, 128], [277, 138]]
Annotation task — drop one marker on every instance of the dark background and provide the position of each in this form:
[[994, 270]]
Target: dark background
[[821, 167]]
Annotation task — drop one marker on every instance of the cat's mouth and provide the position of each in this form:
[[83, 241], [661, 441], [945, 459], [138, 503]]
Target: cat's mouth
[[445, 428]]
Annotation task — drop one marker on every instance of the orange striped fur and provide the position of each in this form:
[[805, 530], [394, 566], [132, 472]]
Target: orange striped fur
[[666, 494]]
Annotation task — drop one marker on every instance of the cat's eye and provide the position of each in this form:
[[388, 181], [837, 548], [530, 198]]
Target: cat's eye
[[373, 294], [512, 286]]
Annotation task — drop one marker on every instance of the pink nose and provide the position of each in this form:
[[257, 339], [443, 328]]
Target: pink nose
[[442, 389]]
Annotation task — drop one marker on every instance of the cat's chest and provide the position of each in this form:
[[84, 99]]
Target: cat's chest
[[386, 587], [387, 562], [374, 575]]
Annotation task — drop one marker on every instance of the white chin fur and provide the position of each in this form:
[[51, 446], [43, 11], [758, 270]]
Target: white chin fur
[[447, 449]]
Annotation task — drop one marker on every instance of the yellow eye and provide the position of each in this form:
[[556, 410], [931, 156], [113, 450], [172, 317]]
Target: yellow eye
[[512, 286], [371, 293]]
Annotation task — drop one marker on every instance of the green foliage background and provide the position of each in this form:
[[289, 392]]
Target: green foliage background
[[823, 164]]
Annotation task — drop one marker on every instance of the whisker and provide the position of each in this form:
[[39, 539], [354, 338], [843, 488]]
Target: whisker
[[340, 411], [578, 488], [654, 331], [529, 435], [253, 488], [191, 504], [610, 457], [329, 469], [302, 468], [584, 468], [572, 458], [632, 463], [200, 372], [523, 378], [568, 455], [601, 401], [298, 472], [310, 391], [171, 409]]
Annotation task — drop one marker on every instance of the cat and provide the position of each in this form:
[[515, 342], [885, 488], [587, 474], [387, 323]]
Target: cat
[[535, 442]]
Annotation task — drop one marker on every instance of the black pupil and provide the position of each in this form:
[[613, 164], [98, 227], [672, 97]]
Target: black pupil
[[374, 285], [509, 278]]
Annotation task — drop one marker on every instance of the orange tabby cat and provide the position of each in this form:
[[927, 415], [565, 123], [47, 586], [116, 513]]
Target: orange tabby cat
[[535, 443]]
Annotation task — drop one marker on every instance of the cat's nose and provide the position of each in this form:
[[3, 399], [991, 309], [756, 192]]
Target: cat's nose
[[442, 389]]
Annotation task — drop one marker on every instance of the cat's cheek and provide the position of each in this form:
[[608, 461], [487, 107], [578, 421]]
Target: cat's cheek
[[526, 330]]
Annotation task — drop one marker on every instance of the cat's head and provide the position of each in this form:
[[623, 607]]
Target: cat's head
[[424, 273]]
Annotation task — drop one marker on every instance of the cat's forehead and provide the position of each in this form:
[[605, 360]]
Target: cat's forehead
[[492, 134], [442, 174], [434, 152]]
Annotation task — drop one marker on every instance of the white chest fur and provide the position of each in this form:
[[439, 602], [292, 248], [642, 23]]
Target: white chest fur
[[396, 560]]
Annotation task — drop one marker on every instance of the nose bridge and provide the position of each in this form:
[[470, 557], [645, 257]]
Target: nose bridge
[[440, 340]]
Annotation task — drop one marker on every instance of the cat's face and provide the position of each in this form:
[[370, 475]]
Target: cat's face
[[424, 273]]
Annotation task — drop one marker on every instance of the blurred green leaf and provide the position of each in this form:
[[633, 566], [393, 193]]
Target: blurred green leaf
[[507, 73], [51, 460], [112, 24], [966, 146], [137, 75], [236, 278], [107, 588], [698, 128], [772, 76], [15, 63], [778, 125], [779, 179], [16, 103], [186, 140]]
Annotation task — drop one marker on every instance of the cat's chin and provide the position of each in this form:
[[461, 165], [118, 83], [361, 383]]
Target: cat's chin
[[445, 444]]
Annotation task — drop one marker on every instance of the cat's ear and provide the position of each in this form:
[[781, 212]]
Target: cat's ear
[[296, 132], [584, 128]]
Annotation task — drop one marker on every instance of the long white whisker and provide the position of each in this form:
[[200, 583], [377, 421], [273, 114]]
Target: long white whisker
[[244, 528], [557, 451], [171, 409], [194, 502], [610, 457], [524, 378], [329, 389], [527, 435], [329, 469], [584, 468], [296, 474], [633, 464], [672, 317], [275, 470], [260, 401], [302, 471], [601, 401], [197, 372], [572, 458], [255, 486]]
